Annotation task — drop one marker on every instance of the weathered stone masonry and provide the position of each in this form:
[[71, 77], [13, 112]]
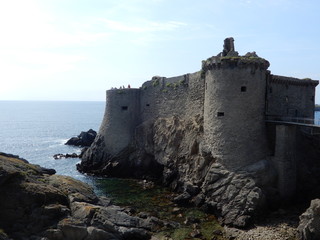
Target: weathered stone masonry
[[205, 133]]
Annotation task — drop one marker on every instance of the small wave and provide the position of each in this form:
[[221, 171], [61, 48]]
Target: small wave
[[62, 141]]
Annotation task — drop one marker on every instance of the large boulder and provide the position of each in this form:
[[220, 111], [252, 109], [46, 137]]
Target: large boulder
[[309, 226], [84, 139], [37, 205]]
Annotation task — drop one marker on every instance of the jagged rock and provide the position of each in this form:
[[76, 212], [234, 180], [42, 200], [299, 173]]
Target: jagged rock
[[309, 226], [170, 146], [3, 236], [84, 139], [36, 205], [182, 198]]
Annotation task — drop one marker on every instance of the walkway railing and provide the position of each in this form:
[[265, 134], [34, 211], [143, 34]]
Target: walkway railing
[[293, 120]]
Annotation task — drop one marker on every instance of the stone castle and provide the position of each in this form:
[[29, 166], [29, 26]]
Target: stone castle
[[186, 126]]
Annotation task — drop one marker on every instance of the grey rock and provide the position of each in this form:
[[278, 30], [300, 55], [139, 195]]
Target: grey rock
[[309, 225], [58, 207], [134, 233], [98, 234], [84, 139], [53, 234], [191, 188], [182, 198], [73, 230]]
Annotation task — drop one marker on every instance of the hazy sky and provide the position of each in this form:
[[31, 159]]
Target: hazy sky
[[76, 49]]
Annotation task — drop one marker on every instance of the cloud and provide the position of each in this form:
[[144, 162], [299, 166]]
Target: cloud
[[142, 26]]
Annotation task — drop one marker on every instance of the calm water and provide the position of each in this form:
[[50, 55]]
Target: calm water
[[38, 130]]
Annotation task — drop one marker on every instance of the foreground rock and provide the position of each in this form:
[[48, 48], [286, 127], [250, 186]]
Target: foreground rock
[[277, 225], [84, 139], [36, 204], [309, 226]]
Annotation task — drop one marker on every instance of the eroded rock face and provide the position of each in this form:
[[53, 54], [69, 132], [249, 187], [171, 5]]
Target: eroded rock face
[[309, 226], [36, 205], [170, 150]]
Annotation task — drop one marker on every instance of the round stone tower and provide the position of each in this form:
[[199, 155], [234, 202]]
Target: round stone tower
[[234, 107], [120, 118]]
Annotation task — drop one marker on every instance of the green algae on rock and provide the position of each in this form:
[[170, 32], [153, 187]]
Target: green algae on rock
[[145, 199]]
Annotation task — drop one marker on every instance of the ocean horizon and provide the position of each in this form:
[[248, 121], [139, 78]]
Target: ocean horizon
[[36, 130]]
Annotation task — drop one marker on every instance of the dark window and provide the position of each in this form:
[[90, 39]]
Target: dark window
[[220, 114], [270, 90], [124, 108], [243, 89], [148, 105], [312, 98], [206, 86]]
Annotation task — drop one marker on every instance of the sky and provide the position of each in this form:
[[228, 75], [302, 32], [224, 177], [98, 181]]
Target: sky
[[77, 49]]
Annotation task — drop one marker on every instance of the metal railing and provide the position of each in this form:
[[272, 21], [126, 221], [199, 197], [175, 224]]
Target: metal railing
[[298, 120]]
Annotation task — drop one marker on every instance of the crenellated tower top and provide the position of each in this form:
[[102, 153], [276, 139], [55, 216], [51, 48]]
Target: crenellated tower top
[[229, 58]]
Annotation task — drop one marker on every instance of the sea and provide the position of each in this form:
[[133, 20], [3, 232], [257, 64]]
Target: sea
[[36, 130]]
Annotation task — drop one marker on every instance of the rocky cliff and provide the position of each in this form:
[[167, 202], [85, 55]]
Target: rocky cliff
[[37, 204], [203, 134], [169, 150]]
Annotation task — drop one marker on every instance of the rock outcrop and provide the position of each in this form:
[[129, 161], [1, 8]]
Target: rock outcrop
[[169, 150], [37, 204], [309, 226], [84, 139]]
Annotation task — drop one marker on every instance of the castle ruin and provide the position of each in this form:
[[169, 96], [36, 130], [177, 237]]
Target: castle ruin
[[216, 116]]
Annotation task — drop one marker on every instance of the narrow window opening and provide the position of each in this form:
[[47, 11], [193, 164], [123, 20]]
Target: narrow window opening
[[220, 114], [270, 90], [312, 98], [124, 108], [148, 105], [243, 89], [206, 86]]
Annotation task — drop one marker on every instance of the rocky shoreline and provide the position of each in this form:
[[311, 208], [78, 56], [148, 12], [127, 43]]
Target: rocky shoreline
[[35, 204], [169, 151]]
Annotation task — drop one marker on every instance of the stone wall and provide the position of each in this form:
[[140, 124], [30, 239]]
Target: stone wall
[[290, 97], [180, 96], [285, 161], [234, 107], [126, 109], [120, 118]]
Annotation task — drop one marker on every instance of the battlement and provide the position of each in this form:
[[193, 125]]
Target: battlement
[[231, 93], [218, 62], [293, 81], [229, 58]]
